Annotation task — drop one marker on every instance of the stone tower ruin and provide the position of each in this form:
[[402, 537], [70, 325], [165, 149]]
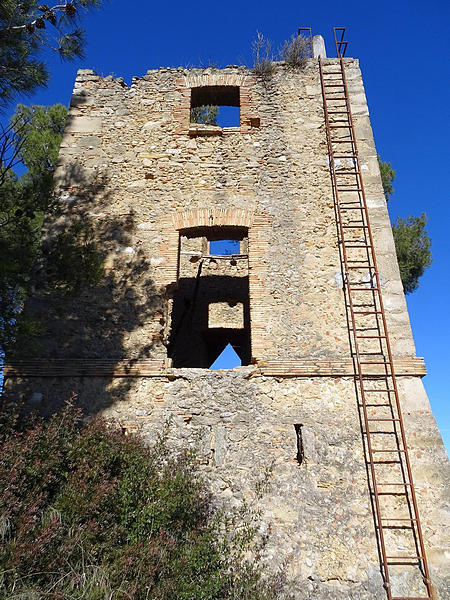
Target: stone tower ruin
[[329, 396]]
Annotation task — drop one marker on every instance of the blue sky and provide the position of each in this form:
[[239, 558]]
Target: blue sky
[[403, 47]]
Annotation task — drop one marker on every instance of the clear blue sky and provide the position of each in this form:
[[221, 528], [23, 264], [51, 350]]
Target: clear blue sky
[[403, 47]]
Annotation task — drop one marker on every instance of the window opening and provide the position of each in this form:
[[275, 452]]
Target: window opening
[[224, 247], [216, 105], [210, 307], [228, 359]]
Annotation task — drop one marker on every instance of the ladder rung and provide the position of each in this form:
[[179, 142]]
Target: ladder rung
[[356, 246], [352, 156], [371, 289], [356, 267], [391, 450], [396, 484], [370, 337], [411, 598], [363, 305], [374, 362], [387, 420], [396, 519], [337, 98], [342, 141], [355, 226], [373, 391], [365, 312], [417, 557]]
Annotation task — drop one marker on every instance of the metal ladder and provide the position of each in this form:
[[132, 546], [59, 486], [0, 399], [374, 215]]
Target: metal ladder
[[397, 524]]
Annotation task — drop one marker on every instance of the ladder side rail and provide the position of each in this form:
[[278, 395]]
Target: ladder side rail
[[360, 375], [376, 294], [388, 347]]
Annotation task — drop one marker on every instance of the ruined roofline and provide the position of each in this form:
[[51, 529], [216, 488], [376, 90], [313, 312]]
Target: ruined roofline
[[85, 75]]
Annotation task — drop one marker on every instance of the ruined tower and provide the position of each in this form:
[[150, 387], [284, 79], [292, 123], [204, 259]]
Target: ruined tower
[[329, 396]]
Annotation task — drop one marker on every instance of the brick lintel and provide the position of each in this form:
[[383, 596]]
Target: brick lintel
[[304, 367]]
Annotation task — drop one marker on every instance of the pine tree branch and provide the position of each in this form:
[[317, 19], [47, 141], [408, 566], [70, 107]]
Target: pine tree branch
[[47, 11]]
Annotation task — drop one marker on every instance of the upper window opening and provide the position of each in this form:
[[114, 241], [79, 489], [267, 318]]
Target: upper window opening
[[224, 247], [217, 105]]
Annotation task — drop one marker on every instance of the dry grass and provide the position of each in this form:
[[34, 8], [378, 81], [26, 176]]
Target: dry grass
[[295, 51], [263, 64]]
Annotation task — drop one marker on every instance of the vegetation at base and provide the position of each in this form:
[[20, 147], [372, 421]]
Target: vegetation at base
[[412, 244], [26, 28], [86, 512], [205, 115]]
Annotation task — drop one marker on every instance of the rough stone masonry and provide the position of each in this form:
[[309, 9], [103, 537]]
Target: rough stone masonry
[[152, 191]]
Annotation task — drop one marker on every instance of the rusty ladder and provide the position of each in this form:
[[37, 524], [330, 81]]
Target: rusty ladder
[[392, 494]]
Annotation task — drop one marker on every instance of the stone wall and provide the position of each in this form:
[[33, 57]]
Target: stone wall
[[132, 145], [139, 176]]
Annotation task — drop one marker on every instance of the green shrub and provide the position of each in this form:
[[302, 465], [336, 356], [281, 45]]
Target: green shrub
[[89, 513]]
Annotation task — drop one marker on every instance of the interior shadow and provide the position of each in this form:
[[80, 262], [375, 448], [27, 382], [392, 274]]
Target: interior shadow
[[209, 312]]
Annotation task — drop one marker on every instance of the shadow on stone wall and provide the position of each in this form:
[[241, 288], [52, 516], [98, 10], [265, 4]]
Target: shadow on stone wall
[[93, 297]]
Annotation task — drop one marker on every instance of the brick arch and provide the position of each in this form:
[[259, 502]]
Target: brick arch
[[209, 217], [259, 228], [215, 78]]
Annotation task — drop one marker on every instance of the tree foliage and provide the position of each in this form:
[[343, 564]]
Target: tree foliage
[[205, 115], [26, 28], [387, 177], [86, 512], [36, 134], [412, 244]]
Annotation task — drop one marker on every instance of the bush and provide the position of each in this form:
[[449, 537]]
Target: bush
[[295, 51], [89, 513], [263, 64]]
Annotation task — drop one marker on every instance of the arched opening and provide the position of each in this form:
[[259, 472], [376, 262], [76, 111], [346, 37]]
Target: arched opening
[[210, 307]]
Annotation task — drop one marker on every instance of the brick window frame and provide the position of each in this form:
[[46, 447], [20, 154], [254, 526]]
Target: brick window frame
[[249, 120], [259, 226]]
